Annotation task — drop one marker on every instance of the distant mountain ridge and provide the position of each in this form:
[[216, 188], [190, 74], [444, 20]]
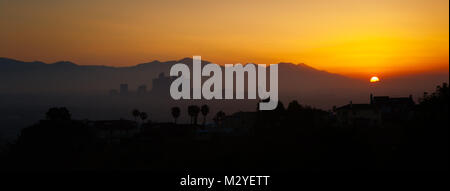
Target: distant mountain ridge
[[19, 72], [296, 81]]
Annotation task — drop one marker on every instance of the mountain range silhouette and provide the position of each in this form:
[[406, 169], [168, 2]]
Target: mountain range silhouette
[[296, 81]]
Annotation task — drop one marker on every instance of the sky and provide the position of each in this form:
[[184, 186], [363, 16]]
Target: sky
[[356, 38]]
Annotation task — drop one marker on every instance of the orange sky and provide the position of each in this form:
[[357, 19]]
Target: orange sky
[[352, 37]]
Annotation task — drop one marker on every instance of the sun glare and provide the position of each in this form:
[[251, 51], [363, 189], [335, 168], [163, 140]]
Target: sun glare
[[374, 79]]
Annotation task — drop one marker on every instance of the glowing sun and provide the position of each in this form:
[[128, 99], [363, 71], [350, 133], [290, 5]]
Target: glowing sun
[[374, 79]]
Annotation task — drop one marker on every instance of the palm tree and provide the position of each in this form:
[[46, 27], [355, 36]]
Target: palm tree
[[193, 111], [143, 116], [136, 113], [205, 111], [196, 112], [175, 113], [219, 117]]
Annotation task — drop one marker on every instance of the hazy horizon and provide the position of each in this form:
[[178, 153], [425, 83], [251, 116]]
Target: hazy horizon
[[363, 78]]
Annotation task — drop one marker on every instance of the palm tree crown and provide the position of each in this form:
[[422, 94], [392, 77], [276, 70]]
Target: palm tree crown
[[205, 110], [175, 113], [136, 113], [193, 111], [143, 116]]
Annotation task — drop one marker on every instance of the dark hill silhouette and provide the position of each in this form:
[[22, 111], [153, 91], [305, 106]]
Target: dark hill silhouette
[[287, 139]]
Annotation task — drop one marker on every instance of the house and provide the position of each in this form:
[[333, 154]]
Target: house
[[394, 109], [380, 110], [240, 122], [358, 115], [114, 130], [167, 131]]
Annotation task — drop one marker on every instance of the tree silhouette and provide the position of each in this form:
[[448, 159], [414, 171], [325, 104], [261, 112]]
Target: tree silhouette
[[58, 114], [143, 116], [219, 118], [136, 113], [175, 113], [196, 112], [294, 106], [280, 107], [434, 106], [193, 112], [205, 110]]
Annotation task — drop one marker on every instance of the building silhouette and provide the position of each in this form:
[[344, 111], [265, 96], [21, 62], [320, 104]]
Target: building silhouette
[[142, 90], [161, 85], [358, 115], [123, 89], [113, 131], [399, 108], [113, 92], [381, 109]]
